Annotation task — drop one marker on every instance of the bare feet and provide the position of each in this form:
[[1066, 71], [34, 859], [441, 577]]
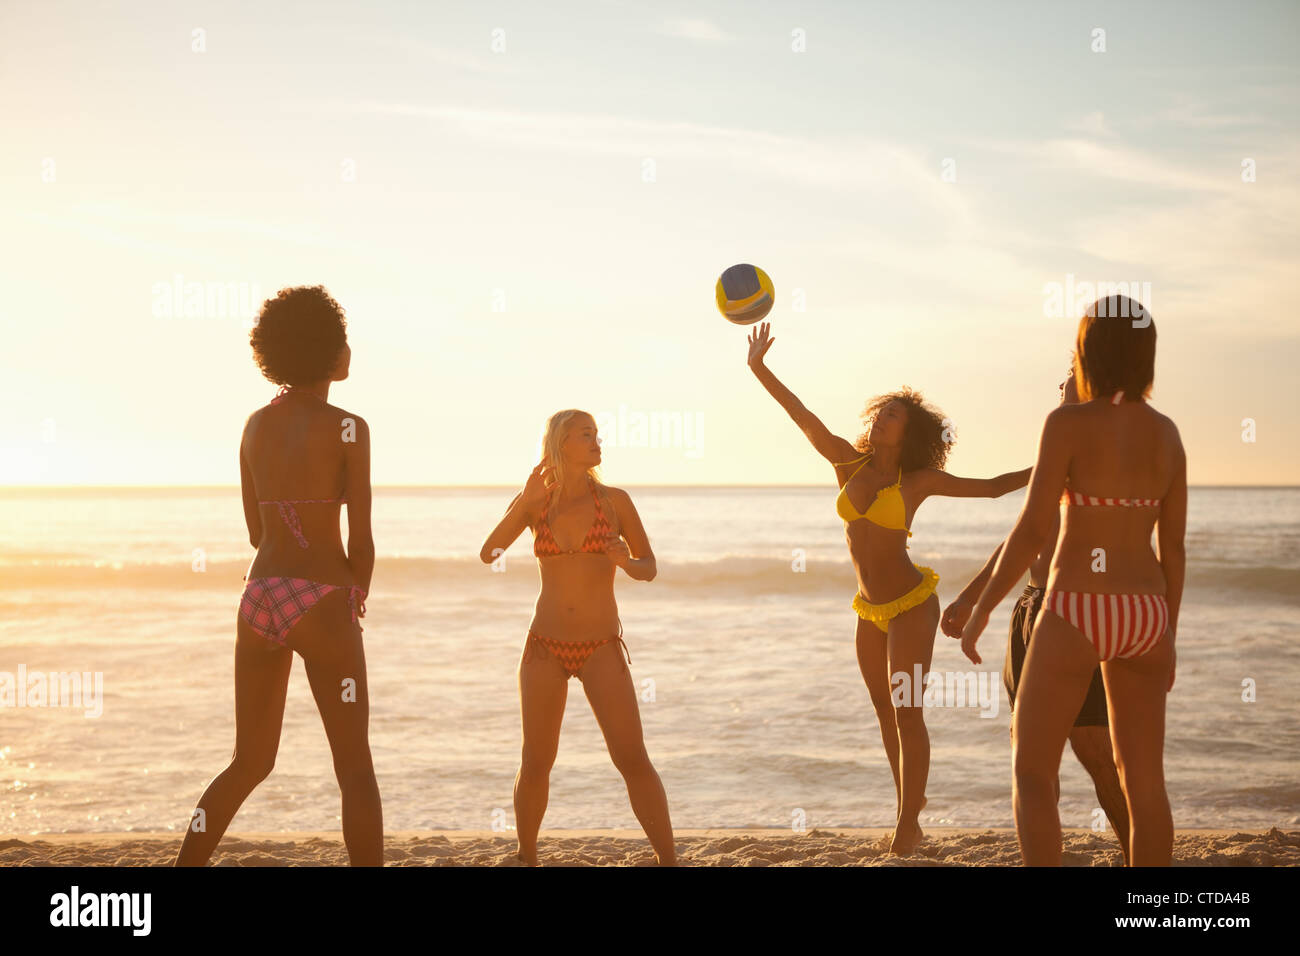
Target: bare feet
[[906, 839], [888, 843]]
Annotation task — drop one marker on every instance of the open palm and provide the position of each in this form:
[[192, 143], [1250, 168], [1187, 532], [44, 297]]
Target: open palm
[[759, 342]]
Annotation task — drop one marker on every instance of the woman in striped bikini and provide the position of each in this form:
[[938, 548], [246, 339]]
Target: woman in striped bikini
[[583, 531], [303, 592], [1110, 596]]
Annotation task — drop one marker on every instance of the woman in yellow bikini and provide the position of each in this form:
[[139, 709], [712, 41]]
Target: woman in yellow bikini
[[899, 464]]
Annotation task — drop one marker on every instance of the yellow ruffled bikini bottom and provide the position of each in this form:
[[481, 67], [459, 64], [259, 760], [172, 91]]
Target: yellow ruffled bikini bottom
[[880, 614]]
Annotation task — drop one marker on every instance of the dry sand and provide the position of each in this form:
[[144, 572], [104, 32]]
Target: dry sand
[[942, 847]]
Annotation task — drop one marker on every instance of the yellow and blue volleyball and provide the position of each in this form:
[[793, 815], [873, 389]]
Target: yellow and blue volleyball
[[745, 294]]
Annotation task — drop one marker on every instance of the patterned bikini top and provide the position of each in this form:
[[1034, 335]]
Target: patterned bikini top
[[544, 545], [285, 505]]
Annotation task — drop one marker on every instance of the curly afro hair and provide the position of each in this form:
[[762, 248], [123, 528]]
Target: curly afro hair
[[299, 335], [927, 438]]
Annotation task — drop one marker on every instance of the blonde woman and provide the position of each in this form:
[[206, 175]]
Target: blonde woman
[[583, 531]]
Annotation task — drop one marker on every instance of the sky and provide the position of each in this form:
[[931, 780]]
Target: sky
[[524, 207]]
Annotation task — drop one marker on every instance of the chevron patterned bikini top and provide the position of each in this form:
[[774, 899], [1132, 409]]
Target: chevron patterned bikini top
[[886, 511], [544, 545]]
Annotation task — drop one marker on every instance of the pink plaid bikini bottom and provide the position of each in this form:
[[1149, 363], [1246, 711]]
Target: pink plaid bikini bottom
[[272, 606]]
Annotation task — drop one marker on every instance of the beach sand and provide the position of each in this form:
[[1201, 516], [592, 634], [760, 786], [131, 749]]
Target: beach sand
[[859, 847]]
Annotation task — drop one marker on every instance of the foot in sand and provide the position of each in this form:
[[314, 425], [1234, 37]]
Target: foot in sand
[[906, 839]]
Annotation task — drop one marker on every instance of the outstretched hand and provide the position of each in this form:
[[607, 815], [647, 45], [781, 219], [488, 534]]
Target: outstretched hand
[[759, 343]]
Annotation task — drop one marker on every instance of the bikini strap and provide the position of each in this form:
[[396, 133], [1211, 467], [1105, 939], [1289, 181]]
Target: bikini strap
[[358, 604], [864, 455], [623, 642], [290, 517]]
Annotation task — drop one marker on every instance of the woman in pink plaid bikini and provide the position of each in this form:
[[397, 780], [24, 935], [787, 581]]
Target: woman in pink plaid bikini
[[301, 458]]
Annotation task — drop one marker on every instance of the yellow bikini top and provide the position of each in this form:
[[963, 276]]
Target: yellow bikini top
[[887, 511]]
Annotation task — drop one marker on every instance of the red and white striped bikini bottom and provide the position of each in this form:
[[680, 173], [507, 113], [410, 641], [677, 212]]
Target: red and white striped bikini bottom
[[1119, 625]]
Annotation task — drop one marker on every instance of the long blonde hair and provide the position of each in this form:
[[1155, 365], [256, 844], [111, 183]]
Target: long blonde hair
[[557, 429]]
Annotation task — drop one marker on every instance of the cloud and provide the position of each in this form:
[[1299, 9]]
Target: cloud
[[848, 165], [1094, 124], [700, 30]]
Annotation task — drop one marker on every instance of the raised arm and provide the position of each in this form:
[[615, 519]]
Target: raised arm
[[933, 481], [1032, 529], [1170, 527], [252, 516], [834, 449], [518, 516], [356, 482]]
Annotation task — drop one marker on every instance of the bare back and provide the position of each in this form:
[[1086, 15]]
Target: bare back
[[1128, 451], [294, 452]]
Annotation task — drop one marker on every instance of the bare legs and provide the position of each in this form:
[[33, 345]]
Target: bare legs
[[1093, 748], [543, 689], [910, 641], [331, 648], [261, 680], [1135, 698], [1058, 670], [608, 684]]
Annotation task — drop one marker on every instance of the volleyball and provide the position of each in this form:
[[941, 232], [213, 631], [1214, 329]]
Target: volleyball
[[745, 294]]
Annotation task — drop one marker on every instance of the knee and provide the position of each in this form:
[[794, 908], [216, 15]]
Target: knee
[[1144, 789], [910, 719], [251, 770], [535, 764], [1093, 752], [354, 774], [632, 764], [1032, 775]]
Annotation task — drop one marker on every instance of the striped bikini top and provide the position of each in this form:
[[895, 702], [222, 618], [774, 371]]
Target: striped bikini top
[[285, 505], [544, 545], [1069, 497]]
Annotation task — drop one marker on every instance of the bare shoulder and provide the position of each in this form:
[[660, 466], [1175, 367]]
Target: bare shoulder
[[1064, 415], [251, 422], [617, 495], [346, 419], [924, 479], [344, 413], [1168, 428]]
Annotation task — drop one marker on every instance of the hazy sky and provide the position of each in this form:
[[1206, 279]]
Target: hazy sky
[[523, 207]]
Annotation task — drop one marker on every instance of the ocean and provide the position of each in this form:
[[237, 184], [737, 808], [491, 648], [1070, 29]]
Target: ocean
[[742, 650]]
